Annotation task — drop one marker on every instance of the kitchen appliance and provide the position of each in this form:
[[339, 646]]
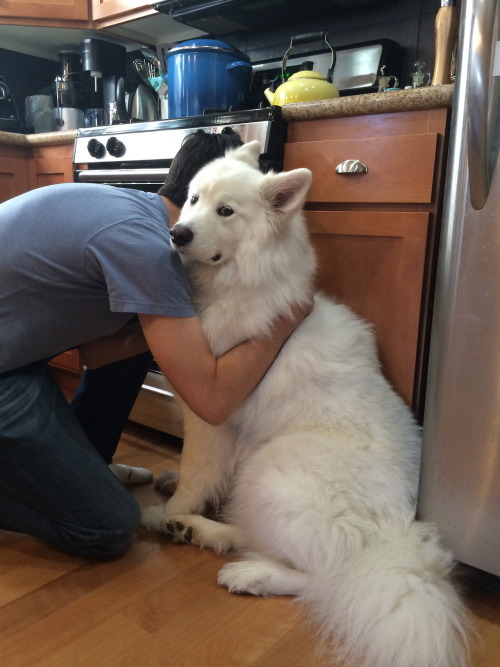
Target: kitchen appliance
[[206, 74], [69, 93], [306, 85], [460, 478], [38, 113], [9, 118], [144, 105], [222, 17], [138, 155], [357, 67], [106, 63], [93, 117]]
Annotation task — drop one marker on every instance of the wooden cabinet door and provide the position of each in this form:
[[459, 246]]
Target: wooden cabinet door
[[49, 9], [373, 261], [50, 165], [13, 176], [103, 9]]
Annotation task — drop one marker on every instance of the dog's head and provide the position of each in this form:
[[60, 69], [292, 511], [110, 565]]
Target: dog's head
[[231, 203]]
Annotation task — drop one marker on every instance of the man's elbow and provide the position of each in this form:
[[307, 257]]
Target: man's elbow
[[211, 413]]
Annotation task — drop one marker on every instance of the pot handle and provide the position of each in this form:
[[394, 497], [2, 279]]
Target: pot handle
[[304, 37]]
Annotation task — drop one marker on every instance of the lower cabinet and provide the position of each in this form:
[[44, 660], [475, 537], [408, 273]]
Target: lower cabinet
[[13, 172], [49, 165], [375, 231], [375, 264]]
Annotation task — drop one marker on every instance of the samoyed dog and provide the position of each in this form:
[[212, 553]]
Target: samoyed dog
[[319, 466]]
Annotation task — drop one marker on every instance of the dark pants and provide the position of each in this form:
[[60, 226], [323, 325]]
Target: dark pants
[[104, 399], [54, 480]]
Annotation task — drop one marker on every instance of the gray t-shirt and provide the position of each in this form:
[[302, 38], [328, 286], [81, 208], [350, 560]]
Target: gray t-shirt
[[77, 261]]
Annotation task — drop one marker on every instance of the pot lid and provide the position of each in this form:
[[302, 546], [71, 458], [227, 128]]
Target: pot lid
[[210, 45]]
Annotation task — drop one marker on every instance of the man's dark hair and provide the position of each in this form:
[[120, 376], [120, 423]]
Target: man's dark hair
[[197, 150]]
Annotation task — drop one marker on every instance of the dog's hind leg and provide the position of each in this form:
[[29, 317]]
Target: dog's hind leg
[[262, 577]]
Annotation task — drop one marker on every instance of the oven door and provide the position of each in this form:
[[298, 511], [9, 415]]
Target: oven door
[[148, 179]]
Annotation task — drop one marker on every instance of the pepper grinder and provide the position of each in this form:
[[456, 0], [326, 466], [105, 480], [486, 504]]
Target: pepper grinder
[[445, 32]]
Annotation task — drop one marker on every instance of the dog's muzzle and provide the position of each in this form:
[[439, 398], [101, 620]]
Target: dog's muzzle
[[181, 235]]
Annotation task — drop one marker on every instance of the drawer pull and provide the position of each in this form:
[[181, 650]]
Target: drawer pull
[[351, 167]]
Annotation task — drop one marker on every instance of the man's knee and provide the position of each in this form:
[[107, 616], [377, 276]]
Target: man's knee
[[110, 540]]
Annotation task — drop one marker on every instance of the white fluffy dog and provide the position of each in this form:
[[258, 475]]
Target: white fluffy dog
[[320, 463]]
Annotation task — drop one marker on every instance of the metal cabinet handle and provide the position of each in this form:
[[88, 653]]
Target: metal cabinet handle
[[351, 167]]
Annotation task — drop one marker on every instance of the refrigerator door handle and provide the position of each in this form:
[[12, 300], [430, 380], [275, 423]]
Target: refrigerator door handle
[[480, 68]]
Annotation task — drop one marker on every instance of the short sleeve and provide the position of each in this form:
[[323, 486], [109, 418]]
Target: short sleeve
[[141, 272]]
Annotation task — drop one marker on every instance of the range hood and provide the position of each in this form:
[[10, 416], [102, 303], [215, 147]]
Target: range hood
[[222, 17]]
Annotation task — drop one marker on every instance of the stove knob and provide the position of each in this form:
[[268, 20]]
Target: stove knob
[[96, 149], [115, 147]]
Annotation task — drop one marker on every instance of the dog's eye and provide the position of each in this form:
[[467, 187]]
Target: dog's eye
[[194, 199], [225, 211]]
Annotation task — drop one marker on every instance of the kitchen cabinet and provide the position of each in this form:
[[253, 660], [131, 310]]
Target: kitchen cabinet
[[13, 172], [75, 10], [112, 11], [376, 232], [49, 165]]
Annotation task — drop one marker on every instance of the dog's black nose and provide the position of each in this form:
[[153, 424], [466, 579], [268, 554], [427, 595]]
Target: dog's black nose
[[181, 235]]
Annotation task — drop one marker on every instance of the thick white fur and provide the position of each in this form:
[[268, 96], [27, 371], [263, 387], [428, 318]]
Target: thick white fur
[[321, 461]]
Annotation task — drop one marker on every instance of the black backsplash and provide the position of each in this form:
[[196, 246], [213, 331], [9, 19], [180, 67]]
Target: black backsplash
[[410, 23], [26, 75]]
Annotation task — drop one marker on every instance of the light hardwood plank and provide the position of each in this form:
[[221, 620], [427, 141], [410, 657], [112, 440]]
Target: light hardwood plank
[[159, 605]]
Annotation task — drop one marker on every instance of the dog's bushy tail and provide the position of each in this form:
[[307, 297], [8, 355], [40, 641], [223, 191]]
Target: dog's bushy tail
[[394, 604]]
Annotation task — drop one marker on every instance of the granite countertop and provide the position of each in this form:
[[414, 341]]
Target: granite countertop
[[41, 139], [431, 97]]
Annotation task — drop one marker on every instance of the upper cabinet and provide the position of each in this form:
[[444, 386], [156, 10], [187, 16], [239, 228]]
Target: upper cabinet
[[73, 13], [120, 9], [69, 10]]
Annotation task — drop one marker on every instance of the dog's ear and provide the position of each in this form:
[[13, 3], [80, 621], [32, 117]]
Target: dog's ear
[[287, 191], [248, 153]]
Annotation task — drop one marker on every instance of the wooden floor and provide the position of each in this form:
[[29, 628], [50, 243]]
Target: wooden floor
[[159, 605]]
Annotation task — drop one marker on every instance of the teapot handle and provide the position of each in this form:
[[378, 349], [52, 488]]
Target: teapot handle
[[304, 37]]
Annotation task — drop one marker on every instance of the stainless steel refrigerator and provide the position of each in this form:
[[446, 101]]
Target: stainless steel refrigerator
[[460, 477]]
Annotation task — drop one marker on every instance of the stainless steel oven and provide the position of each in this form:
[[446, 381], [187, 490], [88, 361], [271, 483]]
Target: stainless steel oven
[[138, 155]]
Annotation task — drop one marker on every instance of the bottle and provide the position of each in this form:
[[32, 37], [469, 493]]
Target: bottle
[[445, 33]]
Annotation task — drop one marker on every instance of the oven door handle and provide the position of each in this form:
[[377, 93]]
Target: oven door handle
[[120, 175]]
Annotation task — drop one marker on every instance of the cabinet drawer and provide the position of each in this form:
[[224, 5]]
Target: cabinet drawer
[[400, 169]]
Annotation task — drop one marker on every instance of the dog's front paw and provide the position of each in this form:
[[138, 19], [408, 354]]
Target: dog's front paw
[[167, 482], [153, 519], [178, 532]]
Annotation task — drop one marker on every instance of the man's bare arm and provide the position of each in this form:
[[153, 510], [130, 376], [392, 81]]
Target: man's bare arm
[[213, 387]]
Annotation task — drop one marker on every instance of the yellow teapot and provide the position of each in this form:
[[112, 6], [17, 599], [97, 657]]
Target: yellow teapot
[[306, 85], [303, 86]]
